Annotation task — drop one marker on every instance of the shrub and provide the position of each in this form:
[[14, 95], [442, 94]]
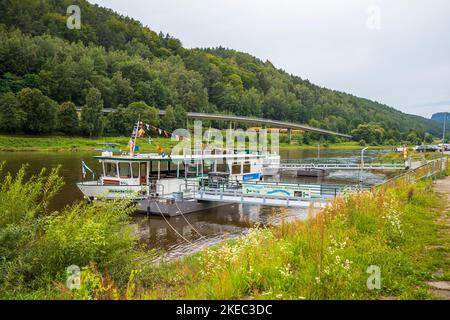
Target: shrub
[[37, 245]]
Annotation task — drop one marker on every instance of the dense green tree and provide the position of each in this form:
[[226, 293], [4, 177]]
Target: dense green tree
[[428, 138], [371, 133], [251, 103], [121, 90], [306, 139], [169, 121], [91, 115], [153, 93], [145, 113], [414, 138], [68, 121], [119, 122], [12, 117], [41, 111], [181, 117]]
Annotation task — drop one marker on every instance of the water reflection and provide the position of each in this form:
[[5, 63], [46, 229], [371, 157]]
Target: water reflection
[[209, 227]]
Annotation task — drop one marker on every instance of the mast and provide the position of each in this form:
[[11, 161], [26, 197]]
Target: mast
[[134, 134]]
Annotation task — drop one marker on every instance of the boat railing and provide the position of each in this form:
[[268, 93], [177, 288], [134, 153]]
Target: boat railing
[[339, 161], [239, 194], [315, 190]]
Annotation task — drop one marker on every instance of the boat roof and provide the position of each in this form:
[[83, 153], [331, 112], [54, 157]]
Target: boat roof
[[158, 157]]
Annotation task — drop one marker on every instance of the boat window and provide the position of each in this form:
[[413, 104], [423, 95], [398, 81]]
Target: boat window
[[164, 166], [247, 167], [110, 169], [222, 167], [143, 173], [236, 168], [207, 166], [154, 167], [173, 167], [181, 172], [124, 170], [191, 169], [135, 167]]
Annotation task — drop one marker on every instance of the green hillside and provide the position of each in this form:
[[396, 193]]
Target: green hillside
[[113, 61]]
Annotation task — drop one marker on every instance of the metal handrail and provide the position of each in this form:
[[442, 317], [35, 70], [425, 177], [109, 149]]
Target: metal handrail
[[427, 165]]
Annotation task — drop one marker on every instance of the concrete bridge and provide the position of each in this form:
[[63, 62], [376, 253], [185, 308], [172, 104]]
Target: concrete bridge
[[252, 120]]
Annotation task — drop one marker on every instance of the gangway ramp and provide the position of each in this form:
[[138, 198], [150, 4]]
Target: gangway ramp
[[342, 165], [291, 195]]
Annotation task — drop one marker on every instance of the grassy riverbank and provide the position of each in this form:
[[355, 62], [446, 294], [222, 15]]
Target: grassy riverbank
[[64, 143], [325, 257]]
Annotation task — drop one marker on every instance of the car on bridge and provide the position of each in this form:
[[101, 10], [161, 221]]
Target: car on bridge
[[425, 148]]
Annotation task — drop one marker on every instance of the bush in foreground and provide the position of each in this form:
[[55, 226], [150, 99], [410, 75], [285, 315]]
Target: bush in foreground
[[38, 245]]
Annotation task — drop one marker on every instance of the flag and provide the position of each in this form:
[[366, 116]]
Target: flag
[[84, 167]]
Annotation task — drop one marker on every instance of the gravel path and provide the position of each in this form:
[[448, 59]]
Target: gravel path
[[442, 288]]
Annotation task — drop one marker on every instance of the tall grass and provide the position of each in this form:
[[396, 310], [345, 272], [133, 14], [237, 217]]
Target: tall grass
[[37, 245]]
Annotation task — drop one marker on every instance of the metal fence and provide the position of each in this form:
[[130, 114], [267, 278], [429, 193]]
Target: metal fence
[[428, 171]]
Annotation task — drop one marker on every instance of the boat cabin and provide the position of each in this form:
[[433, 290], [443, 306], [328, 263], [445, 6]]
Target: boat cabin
[[168, 173]]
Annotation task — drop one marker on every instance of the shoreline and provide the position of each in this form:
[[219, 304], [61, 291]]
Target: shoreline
[[15, 143]]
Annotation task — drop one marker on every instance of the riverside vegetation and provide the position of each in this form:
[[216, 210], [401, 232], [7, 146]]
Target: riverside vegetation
[[324, 257]]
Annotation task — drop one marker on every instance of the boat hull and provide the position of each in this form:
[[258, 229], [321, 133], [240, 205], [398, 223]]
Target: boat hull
[[92, 190], [170, 208]]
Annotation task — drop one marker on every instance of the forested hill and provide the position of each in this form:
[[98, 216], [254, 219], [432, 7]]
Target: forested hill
[[113, 61]]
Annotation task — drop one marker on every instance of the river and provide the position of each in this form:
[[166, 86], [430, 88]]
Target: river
[[213, 225]]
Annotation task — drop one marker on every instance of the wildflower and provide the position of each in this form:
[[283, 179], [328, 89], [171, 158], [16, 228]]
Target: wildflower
[[338, 259], [346, 264]]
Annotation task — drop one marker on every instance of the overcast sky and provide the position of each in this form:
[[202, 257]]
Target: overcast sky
[[393, 51]]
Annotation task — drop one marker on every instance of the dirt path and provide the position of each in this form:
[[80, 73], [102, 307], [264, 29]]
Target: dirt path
[[442, 288]]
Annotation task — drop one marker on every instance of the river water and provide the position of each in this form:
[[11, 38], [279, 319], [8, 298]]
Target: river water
[[215, 225]]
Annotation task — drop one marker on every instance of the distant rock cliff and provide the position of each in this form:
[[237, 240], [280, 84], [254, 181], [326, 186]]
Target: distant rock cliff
[[440, 116]]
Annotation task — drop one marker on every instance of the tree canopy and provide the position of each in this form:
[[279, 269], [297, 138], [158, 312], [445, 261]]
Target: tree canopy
[[115, 62]]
